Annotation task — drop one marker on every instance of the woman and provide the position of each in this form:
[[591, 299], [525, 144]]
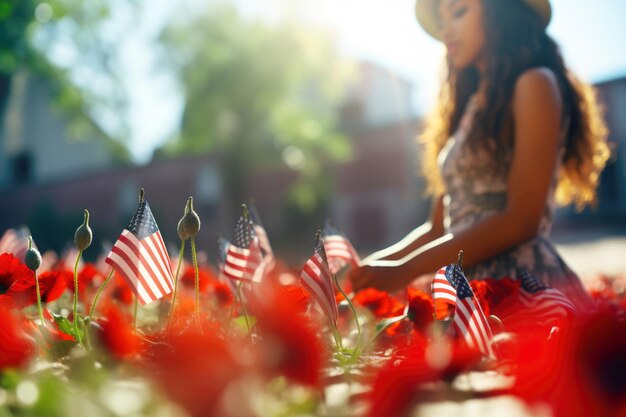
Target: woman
[[515, 133]]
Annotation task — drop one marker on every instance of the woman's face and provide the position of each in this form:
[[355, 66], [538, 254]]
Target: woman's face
[[461, 28]]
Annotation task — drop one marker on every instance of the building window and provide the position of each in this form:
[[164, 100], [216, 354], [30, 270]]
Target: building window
[[22, 168]]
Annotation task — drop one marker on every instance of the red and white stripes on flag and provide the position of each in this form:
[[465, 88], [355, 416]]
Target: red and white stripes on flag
[[243, 255], [442, 289], [451, 286], [222, 251], [316, 278], [339, 250], [140, 256]]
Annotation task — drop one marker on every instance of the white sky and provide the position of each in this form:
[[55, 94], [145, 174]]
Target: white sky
[[591, 34]]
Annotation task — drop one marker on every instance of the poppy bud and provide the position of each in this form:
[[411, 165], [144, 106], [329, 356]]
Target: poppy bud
[[189, 225], [83, 235], [32, 258]]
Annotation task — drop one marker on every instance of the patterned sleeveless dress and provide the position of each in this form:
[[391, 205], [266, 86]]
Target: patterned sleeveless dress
[[472, 194]]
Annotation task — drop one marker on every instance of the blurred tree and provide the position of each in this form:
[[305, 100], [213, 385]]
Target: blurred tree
[[69, 43], [259, 95]]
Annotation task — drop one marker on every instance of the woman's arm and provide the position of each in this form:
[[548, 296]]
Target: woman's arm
[[536, 109], [421, 235]]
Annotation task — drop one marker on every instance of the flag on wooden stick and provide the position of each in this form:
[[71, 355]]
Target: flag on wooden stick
[[243, 255], [139, 255], [451, 286], [316, 278]]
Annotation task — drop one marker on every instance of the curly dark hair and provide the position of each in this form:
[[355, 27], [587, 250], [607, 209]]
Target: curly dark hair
[[515, 42]]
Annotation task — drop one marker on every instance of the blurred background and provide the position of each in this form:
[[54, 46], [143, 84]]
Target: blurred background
[[309, 108]]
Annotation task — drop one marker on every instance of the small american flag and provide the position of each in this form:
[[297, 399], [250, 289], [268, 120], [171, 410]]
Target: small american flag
[[140, 256], [243, 255], [451, 286], [316, 278], [15, 242], [540, 302], [339, 250]]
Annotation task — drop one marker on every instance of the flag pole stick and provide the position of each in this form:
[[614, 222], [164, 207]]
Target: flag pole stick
[[243, 309]]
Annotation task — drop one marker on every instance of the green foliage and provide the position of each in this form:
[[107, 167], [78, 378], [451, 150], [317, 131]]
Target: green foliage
[[15, 17], [33, 32], [260, 96], [67, 327]]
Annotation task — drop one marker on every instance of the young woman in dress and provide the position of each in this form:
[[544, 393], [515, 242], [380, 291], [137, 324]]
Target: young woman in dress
[[515, 133]]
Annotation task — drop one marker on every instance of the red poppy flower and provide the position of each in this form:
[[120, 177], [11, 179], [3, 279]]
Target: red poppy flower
[[376, 301], [578, 371], [491, 292], [13, 276], [206, 278], [51, 287], [195, 368], [184, 311], [16, 347], [296, 296], [421, 309], [401, 379], [117, 291], [223, 293], [480, 291], [121, 291], [117, 335], [290, 346], [397, 384], [89, 278]]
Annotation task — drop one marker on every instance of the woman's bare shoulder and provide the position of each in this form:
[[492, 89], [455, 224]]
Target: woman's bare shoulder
[[537, 106], [535, 85]]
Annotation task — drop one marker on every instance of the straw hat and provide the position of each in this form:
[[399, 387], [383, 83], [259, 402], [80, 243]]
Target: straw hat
[[426, 12]]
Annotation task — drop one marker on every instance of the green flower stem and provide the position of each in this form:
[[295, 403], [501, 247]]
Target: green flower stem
[[180, 261], [243, 308], [75, 310], [336, 335], [197, 273], [136, 303], [384, 324], [95, 299], [43, 323], [356, 317]]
